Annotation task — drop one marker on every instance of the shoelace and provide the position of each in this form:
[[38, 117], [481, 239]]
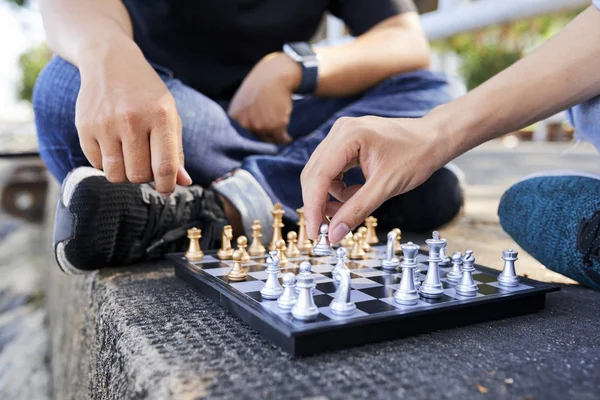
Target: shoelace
[[588, 238]]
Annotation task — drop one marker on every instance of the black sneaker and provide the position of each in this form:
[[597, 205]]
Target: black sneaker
[[437, 202], [100, 224]]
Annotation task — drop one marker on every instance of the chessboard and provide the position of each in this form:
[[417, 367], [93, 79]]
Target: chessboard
[[377, 316]]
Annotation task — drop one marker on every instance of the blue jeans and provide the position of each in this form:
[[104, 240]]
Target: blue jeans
[[251, 173]]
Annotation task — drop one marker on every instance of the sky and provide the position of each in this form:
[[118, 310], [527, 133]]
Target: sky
[[20, 29]]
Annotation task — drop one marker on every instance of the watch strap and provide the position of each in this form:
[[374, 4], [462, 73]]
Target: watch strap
[[310, 78]]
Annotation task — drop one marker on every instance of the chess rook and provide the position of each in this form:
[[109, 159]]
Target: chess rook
[[407, 292], [277, 225], [292, 248], [256, 247], [323, 247], [272, 288], [371, 224], [431, 287], [455, 273], [304, 243], [305, 308], [467, 287], [237, 273], [289, 297], [508, 277], [342, 303], [390, 262], [242, 243], [226, 251], [194, 252]]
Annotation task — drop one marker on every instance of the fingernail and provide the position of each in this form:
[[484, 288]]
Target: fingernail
[[165, 195], [338, 233]]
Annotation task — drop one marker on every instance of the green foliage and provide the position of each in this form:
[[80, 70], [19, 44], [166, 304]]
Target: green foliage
[[31, 63], [489, 51], [20, 3]]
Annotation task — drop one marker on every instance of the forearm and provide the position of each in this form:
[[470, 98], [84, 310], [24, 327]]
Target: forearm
[[561, 73], [76, 28], [394, 46]]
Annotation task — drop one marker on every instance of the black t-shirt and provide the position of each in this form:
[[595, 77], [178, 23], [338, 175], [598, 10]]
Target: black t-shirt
[[211, 45]]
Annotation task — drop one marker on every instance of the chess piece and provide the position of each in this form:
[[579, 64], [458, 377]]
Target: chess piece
[[371, 224], [289, 297], [467, 287], [237, 273], [445, 259], [357, 252], [305, 308], [397, 245], [341, 254], [272, 288], [508, 277], [292, 249], [226, 251], [242, 243], [194, 252], [277, 225], [313, 243], [347, 241], [323, 248], [455, 273], [407, 292], [304, 243], [342, 303], [280, 248], [432, 286], [363, 239], [256, 247], [390, 262]]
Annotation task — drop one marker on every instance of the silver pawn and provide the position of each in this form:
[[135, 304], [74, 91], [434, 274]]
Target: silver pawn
[[407, 292], [289, 297], [341, 254], [432, 286], [272, 289], [305, 308], [455, 273], [467, 287], [323, 247], [342, 303], [390, 262], [508, 276], [445, 259]]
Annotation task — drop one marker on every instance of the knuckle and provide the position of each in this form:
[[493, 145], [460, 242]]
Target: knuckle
[[130, 116], [163, 113], [139, 176], [167, 169]]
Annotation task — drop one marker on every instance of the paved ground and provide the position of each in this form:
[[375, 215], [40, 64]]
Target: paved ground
[[140, 332]]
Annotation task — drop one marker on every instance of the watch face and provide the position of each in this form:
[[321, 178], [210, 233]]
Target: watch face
[[302, 49]]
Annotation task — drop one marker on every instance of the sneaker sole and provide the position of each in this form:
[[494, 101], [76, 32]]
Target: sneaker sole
[[73, 179]]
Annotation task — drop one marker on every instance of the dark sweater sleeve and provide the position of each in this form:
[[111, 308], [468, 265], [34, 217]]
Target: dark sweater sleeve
[[362, 15]]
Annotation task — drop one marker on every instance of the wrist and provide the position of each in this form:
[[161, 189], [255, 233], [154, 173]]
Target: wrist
[[288, 71], [97, 49]]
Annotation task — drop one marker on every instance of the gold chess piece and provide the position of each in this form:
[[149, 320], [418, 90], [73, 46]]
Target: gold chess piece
[[280, 247], [357, 252], [237, 273], [277, 225], [304, 243], [242, 243], [292, 249], [363, 239], [226, 251], [347, 241], [256, 247], [371, 224], [397, 244], [194, 252]]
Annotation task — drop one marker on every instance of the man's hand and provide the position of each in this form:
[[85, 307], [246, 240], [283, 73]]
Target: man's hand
[[395, 155], [263, 102], [126, 119]]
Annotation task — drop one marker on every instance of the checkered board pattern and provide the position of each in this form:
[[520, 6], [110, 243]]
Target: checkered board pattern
[[372, 289]]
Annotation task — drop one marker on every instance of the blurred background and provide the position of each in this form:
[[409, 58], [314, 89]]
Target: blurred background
[[471, 40]]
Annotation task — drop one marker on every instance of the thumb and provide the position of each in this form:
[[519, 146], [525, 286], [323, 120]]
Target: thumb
[[355, 211]]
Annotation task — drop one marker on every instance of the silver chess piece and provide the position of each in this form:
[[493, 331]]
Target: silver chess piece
[[341, 254], [455, 273], [289, 297], [432, 286], [407, 292], [508, 276], [445, 259], [342, 303], [390, 262], [467, 287], [305, 308], [272, 288], [323, 247]]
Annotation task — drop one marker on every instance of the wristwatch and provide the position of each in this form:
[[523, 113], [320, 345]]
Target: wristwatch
[[303, 54]]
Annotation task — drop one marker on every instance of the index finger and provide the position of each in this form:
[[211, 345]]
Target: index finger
[[164, 150]]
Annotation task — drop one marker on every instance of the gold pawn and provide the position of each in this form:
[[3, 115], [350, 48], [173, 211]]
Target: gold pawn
[[371, 224], [226, 251], [242, 243], [256, 247], [357, 252], [304, 243], [363, 238], [237, 273], [292, 249], [277, 225], [347, 241], [194, 252], [397, 243], [280, 247]]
